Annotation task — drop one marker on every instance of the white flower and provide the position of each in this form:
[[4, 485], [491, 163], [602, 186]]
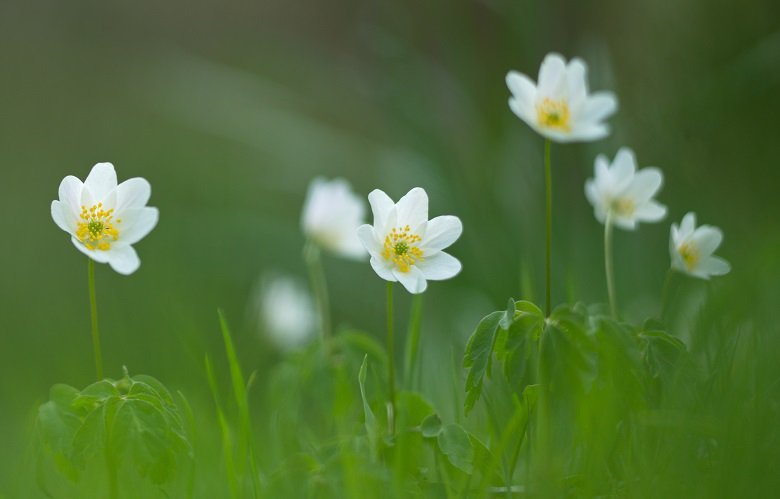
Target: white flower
[[331, 215], [692, 249], [105, 219], [404, 245], [625, 192], [286, 311], [560, 108]]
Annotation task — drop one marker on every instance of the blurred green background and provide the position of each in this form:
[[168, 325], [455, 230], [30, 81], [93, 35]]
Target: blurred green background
[[230, 108]]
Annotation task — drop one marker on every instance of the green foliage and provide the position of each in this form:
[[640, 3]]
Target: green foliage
[[131, 424]]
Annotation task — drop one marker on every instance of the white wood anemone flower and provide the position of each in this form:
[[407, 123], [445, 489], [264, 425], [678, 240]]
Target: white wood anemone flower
[[104, 219], [560, 107], [286, 311], [407, 247], [692, 249], [331, 215], [623, 193]]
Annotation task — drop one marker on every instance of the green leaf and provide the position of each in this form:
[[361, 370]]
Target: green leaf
[[431, 426], [372, 426], [454, 442], [509, 315], [521, 347], [476, 359]]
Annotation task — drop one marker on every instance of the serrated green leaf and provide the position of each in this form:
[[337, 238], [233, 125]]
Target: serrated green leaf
[[454, 442], [476, 359]]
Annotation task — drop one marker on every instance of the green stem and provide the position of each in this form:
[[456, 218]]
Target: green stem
[[319, 286], [94, 317], [548, 252], [412, 342], [390, 359], [608, 264]]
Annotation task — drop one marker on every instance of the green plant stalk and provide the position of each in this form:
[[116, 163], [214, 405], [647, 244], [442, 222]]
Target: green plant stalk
[[227, 441], [94, 319], [390, 360], [608, 265], [311, 254], [412, 342], [548, 238]]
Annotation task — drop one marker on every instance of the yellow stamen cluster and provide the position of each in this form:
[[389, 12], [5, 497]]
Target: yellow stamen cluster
[[553, 114], [689, 254], [96, 227], [624, 207], [400, 247]]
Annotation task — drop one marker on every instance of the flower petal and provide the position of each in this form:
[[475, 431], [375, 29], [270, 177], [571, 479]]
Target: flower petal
[[383, 268], [123, 259], [368, 239], [687, 226], [412, 209], [97, 255], [70, 194], [523, 94], [552, 77], [715, 266], [651, 211], [706, 239], [136, 223], [101, 181], [597, 107], [439, 266], [133, 193], [441, 232], [645, 185], [576, 79], [62, 217], [381, 206], [581, 133], [414, 280]]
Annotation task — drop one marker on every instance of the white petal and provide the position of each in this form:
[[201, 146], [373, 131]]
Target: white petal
[[552, 77], [626, 223], [523, 94], [123, 259], [133, 193], [523, 112], [645, 185], [715, 266], [576, 78], [136, 223], [383, 268], [651, 211], [624, 166], [584, 133], [597, 107], [97, 255], [70, 195], [591, 193], [381, 206], [441, 232], [414, 280], [439, 266], [687, 226], [368, 239], [62, 217], [706, 239], [101, 181], [412, 209]]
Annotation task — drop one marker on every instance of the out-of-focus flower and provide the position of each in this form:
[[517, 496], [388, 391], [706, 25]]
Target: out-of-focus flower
[[692, 249], [404, 245], [286, 311], [623, 192], [559, 107], [105, 219], [331, 215]]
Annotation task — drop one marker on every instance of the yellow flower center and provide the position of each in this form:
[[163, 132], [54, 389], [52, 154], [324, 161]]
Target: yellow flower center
[[553, 114], [624, 207], [400, 247], [96, 227], [689, 254]]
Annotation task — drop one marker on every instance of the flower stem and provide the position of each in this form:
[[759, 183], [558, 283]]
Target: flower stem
[[548, 252], [94, 317], [608, 264], [319, 286], [390, 360], [412, 342]]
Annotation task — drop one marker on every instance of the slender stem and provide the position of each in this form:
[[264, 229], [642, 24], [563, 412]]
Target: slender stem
[[548, 252], [412, 342], [608, 264], [390, 358], [320, 287], [94, 317]]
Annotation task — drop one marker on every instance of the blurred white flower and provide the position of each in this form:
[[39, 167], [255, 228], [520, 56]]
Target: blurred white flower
[[286, 311], [692, 249], [331, 215], [559, 107], [404, 245], [623, 192], [105, 219]]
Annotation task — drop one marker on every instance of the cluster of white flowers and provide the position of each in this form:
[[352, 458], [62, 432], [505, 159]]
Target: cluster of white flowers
[[561, 109]]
